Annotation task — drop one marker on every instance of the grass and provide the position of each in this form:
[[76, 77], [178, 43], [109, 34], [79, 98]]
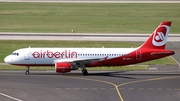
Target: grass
[[163, 61], [87, 18], [11, 67]]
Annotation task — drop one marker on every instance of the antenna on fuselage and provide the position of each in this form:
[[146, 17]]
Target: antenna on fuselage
[[102, 46], [29, 47]]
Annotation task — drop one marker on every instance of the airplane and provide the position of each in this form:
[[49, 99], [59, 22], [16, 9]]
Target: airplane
[[67, 59]]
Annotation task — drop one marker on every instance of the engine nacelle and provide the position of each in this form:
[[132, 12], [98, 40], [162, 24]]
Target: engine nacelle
[[63, 67]]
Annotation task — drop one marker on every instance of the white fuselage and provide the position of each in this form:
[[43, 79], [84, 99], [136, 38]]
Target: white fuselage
[[48, 56]]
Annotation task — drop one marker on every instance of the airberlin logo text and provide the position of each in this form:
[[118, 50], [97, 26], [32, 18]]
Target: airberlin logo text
[[56, 54]]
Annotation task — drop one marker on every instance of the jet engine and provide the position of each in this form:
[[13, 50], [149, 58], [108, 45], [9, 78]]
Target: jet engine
[[63, 67]]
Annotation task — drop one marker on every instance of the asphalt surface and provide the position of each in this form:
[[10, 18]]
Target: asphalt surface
[[81, 36], [98, 86]]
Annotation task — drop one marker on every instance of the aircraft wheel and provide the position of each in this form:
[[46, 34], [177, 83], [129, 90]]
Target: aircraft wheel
[[85, 72], [27, 72]]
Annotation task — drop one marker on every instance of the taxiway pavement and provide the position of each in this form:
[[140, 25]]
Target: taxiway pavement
[[98, 86]]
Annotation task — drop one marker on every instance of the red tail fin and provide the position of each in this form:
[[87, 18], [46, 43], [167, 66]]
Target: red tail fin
[[158, 38]]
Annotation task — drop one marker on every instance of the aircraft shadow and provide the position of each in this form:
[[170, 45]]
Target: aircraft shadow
[[117, 74]]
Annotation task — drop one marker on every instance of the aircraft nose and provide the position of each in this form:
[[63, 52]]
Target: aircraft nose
[[7, 59]]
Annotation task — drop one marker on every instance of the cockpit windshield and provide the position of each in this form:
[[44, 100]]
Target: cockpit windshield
[[16, 54]]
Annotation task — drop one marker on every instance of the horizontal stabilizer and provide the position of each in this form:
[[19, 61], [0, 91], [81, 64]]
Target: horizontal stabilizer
[[162, 53]]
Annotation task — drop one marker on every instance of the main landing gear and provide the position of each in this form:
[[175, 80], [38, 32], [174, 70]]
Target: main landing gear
[[85, 72], [27, 71]]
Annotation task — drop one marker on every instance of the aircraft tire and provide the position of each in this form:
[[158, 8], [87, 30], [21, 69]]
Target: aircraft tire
[[27, 72], [85, 72]]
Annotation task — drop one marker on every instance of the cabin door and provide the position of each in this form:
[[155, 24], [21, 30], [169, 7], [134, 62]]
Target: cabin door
[[138, 55], [27, 54]]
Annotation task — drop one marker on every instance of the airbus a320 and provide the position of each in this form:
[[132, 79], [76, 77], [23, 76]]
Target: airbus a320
[[67, 59]]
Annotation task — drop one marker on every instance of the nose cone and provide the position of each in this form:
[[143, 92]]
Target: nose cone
[[7, 60]]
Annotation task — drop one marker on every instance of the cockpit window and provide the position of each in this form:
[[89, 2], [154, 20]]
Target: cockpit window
[[16, 54]]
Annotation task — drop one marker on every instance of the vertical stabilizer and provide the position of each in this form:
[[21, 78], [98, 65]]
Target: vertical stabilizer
[[158, 38]]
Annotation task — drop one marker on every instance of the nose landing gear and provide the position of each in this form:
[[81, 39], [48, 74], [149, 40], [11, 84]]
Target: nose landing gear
[[27, 71]]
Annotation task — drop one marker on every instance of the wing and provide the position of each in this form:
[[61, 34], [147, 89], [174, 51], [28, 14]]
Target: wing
[[79, 60]]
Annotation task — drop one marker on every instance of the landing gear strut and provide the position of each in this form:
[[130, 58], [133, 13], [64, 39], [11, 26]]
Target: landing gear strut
[[85, 72], [27, 71]]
